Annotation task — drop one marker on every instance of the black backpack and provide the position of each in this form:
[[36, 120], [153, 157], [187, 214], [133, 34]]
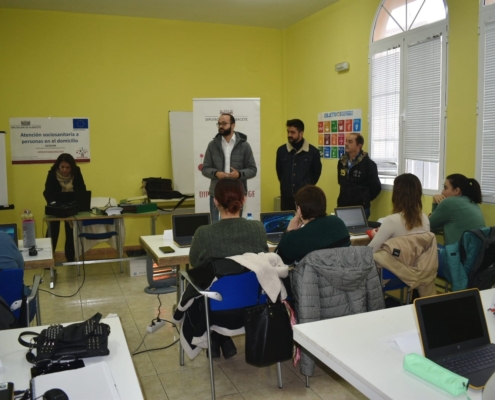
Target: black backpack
[[479, 257], [7, 318]]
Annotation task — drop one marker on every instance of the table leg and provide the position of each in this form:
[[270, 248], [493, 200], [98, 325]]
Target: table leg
[[153, 225], [53, 277]]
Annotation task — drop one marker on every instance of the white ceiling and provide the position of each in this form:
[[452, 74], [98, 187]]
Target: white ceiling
[[277, 14]]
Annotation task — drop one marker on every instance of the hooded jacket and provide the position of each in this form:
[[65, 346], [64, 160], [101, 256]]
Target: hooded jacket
[[332, 283], [241, 159], [413, 258]]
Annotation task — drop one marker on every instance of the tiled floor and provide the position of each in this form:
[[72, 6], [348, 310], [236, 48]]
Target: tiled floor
[[106, 290]]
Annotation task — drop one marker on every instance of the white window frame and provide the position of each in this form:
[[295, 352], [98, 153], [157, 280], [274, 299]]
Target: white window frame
[[486, 16], [402, 39]]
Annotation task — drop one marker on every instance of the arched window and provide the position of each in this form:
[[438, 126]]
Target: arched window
[[408, 53], [485, 140]]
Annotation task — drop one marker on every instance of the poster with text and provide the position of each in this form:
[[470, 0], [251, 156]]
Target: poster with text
[[247, 120], [333, 128], [42, 140]]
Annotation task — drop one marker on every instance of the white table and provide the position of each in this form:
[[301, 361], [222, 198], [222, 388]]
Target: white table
[[17, 370], [44, 258], [356, 348]]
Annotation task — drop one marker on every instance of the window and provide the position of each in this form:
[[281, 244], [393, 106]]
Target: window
[[407, 90], [485, 140]]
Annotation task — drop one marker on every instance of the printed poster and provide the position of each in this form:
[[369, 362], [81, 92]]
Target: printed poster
[[333, 128], [42, 140]]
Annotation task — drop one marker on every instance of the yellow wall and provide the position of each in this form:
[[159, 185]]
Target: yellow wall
[[341, 32], [125, 74]]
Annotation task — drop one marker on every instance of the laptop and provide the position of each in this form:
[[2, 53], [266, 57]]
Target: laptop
[[354, 218], [82, 199], [276, 224], [184, 227], [11, 230], [452, 328]]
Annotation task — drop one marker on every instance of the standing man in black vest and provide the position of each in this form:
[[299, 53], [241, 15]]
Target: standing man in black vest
[[298, 164]]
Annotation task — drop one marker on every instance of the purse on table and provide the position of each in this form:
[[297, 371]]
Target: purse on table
[[81, 340], [269, 337]]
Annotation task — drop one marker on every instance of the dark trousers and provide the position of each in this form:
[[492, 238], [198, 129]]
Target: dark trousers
[[70, 253], [287, 203]]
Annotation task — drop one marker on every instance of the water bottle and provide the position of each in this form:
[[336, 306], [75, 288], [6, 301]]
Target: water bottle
[[28, 231], [249, 217]]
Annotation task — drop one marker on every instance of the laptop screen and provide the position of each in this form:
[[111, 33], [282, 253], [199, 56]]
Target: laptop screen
[[453, 321], [276, 222], [11, 230], [186, 225], [352, 216]]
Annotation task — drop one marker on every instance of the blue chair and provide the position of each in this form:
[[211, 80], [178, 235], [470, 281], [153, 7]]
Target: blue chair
[[227, 293], [392, 282], [98, 236], [12, 290]]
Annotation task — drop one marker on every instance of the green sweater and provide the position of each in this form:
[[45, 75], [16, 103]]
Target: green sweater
[[455, 215], [320, 233], [226, 238]]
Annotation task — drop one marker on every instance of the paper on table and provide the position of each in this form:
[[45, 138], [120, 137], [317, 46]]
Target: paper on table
[[167, 234], [114, 210], [91, 382], [406, 342]]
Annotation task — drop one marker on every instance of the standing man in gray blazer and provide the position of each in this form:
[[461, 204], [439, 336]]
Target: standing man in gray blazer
[[228, 155]]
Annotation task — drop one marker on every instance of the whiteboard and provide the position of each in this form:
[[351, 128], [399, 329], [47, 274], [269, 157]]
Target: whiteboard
[[181, 145], [4, 194]]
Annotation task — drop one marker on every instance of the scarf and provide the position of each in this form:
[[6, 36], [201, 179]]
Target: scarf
[[65, 182]]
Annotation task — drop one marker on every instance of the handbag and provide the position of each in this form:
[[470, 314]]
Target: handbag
[[269, 336], [81, 340]]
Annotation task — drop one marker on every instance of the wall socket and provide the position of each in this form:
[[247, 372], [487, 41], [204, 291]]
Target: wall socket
[[158, 325]]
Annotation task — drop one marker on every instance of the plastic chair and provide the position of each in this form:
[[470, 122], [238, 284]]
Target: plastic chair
[[98, 236], [227, 293], [394, 283], [12, 290]]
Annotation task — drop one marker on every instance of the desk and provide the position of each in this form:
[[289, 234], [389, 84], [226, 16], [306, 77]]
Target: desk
[[44, 259], [355, 347], [16, 369]]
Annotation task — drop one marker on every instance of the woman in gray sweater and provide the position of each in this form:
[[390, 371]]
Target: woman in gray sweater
[[231, 236]]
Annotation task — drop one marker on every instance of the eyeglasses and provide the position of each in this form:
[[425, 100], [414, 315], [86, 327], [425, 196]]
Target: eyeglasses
[[222, 124], [47, 363]]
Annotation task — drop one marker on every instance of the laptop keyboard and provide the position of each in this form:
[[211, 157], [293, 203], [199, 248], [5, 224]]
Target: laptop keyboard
[[275, 238], [467, 363]]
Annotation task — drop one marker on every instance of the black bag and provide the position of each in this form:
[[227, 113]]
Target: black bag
[[82, 340], [159, 188], [269, 337]]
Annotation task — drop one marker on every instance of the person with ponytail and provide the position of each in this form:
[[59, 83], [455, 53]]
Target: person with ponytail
[[457, 208], [408, 217]]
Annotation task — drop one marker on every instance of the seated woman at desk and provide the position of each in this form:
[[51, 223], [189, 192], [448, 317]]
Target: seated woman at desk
[[408, 216], [64, 176], [231, 236], [457, 208], [311, 228]]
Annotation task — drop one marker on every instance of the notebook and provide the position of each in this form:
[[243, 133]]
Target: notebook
[[354, 218], [82, 199], [275, 224], [452, 328], [184, 226], [11, 230]]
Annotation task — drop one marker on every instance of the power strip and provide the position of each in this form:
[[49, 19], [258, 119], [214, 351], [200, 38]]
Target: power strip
[[153, 328]]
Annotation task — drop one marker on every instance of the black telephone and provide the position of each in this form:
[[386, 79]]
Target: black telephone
[[81, 340]]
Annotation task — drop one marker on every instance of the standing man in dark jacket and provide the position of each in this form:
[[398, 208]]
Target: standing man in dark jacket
[[357, 175], [228, 155], [298, 164]]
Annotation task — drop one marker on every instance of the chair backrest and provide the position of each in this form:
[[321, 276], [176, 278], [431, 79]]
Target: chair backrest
[[238, 291], [477, 252], [12, 286], [98, 221]]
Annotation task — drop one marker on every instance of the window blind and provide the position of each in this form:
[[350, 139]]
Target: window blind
[[385, 103], [423, 100]]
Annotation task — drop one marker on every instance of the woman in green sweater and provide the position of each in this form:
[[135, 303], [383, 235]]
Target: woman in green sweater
[[231, 236], [311, 229], [456, 209]]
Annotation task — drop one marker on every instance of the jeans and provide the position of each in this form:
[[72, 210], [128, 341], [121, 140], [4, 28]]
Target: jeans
[[215, 215]]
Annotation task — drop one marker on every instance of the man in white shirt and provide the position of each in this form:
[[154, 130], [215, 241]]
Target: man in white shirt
[[228, 155]]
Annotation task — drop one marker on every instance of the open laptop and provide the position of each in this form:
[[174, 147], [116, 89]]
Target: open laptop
[[275, 224], [354, 218], [82, 199], [452, 328], [184, 226], [11, 230]]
